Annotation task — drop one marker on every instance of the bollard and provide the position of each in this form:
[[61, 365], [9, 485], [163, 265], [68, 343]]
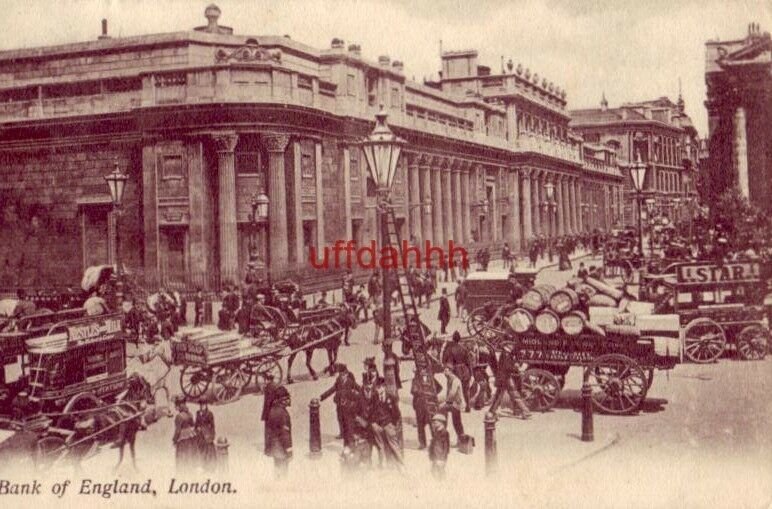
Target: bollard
[[587, 426], [490, 444], [221, 453], [390, 375], [315, 432]]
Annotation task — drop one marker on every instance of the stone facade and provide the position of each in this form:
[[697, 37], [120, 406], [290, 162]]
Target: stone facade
[[204, 120], [662, 134], [738, 75]]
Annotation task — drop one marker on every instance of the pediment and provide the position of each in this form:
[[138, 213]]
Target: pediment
[[251, 52]]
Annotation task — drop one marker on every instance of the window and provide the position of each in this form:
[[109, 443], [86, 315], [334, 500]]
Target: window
[[247, 163], [395, 103], [354, 165], [307, 169], [172, 167], [351, 84]]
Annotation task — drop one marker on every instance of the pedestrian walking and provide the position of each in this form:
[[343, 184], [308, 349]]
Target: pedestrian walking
[[458, 358], [344, 382], [384, 420], [198, 308], [377, 317], [507, 381], [444, 314], [279, 427], [422, 417], [268, 394], [460, 298], [505, 253], [440, 446], [205, 431], [185, 439], [454, 401]]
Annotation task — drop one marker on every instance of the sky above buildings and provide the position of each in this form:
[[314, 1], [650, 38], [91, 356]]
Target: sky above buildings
[[631, 50]]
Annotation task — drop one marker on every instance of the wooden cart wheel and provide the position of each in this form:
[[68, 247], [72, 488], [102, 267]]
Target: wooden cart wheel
[[649, 379], [477, 321], [704, 341], [73, 409], [268, 367], [753, 342], [49, 451], [194, 381], [618, 384], [227, 382], [540, 389]]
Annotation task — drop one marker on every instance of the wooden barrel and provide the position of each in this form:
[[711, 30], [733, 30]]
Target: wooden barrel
[[547, 322], [564, 300], [587, 290], [574, 282], [603, 301], [605, 289], [573, 322], [537, 297], [520, 320]]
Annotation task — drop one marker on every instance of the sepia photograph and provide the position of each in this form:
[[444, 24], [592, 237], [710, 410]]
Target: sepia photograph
[[386, 253]]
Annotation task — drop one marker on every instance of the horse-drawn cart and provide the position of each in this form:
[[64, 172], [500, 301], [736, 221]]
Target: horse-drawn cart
[[224, 361]]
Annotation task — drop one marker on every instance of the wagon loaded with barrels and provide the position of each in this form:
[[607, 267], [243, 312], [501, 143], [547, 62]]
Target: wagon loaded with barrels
[[590, 324]]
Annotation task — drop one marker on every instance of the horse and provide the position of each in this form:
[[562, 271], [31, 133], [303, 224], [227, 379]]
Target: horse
[[308, 339], [139, 394], [423, 287]]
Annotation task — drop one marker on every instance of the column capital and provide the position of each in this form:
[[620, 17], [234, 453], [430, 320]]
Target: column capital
[[424, 159], [276, 142], [413, 158], [225, 142]]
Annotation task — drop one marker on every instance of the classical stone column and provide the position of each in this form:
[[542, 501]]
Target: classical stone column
[[225, 144], [465, 204], [458, 226], [567, 227], [447, 207], [558, 208], [415, 195], [438, 208], [275, 144], [527, 208], [740, 150], [426, 198], [297, 207], [537, 185], [513, 232]]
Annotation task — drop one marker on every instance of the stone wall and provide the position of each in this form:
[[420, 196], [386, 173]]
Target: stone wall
[[65, 189]]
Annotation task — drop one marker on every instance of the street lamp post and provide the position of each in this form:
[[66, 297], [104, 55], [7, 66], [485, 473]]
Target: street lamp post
[[259, 204], [650, 203], [638, 174], [382, 149], [116, 182]]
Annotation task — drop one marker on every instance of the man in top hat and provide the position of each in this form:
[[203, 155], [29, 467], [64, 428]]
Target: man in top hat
[[268, 394], [507, 378], [444, 313], [344, 383], [279, 427]]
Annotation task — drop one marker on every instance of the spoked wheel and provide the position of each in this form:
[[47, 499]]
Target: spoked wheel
[[704, 341], [194, 381], [753, 342], [618, 384], [649, 379], [479, 324], [540, 389], [77, 407], [264, 369], [227, 383], [50, 450]]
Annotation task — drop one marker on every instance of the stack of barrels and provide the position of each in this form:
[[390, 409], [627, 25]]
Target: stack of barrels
[[547, 310]]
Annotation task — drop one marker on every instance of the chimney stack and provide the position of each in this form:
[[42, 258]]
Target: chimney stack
[[384, 60], [104, 30], [355, 50], [398, 66], [337, 44]]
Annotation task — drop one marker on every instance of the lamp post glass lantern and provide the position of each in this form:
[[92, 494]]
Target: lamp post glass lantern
[[116, 183], [638, 174], [259, 204], [382, 149]]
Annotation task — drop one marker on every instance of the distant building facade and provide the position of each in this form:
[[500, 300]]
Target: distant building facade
[[662, 134], [203, 120], [738, 75]]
